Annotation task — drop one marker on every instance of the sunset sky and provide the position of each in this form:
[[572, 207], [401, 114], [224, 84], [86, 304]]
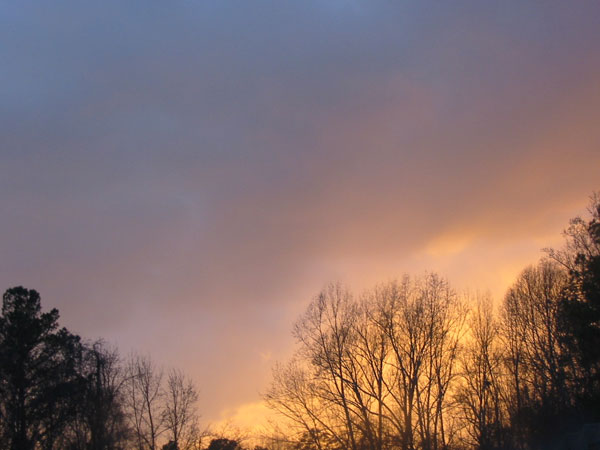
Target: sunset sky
[[181, 177]]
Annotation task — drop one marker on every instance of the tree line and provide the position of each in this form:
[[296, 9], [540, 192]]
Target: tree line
[[412, 364], [59, 392]]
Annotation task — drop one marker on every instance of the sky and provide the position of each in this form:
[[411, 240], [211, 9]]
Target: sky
[[181, 178]]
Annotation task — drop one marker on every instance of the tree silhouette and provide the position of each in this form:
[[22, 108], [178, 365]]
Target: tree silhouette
[[179, 412], [101, 422], [404, 366], [580, 308], [39, 385], [223, 444], [145, 395], [170, 446]]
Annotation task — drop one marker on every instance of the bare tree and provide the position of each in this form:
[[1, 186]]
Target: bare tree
[[538, 381], [294, 394], [443, 317], [369, 363], [325, 333], [376, 373], [422, 319], [479, 395], [101, 422], [145, 397], [180, 415]]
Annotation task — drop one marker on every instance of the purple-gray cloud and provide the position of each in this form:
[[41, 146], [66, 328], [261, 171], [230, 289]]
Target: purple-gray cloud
[[182, 176]]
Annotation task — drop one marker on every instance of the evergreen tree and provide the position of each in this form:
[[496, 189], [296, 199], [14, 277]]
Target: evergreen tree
[[38, 381]]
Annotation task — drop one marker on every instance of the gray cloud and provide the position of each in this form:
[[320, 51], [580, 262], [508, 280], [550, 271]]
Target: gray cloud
[[183, 176]]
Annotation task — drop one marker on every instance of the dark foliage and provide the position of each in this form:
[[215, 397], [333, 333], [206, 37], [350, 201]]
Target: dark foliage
[[39, 384], [223, 444], [580, 310]]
